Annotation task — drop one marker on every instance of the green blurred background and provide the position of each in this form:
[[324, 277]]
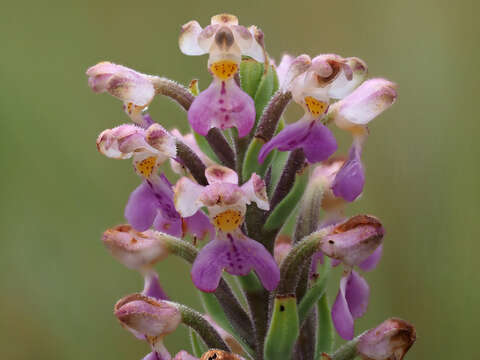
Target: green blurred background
[[58, 284]]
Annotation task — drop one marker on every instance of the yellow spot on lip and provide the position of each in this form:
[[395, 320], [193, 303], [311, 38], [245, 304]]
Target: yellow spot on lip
[[224, 69], [316, 107], [146, 166], [228, 220]]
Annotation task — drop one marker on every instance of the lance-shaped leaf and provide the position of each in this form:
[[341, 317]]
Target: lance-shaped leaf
[[283, 331]]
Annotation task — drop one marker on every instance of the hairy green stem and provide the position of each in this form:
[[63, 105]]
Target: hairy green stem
[[207, 332], [221, 147]]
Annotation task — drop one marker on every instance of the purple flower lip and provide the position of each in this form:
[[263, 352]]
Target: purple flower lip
[[391, 340]]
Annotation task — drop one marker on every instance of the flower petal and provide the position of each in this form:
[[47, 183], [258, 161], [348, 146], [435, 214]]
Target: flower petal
[[341, 316], [188, 40], [141, 207], [291, 137], [223, 105], [238, 255], [209, 263], [357, 293], [351, 303], [342, 86], [316, 139], [221, 174], [319, 144], [186, 197], [161, 140], [372, 261], [199, 226], [255, 190], [368, 101], [283, 67], [121, 141], [152, 287], [350, 179]]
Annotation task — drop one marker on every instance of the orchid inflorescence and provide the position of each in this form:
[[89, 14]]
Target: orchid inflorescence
[[256, 197]]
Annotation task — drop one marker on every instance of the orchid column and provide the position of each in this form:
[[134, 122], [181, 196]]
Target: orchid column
[[253, 196]]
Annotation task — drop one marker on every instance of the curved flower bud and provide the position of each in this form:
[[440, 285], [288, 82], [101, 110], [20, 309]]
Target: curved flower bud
[[121, 82], [151, 204], [143, 315], [389, 341], [136, 250], [354, 240], [368, 101], [135, 89]]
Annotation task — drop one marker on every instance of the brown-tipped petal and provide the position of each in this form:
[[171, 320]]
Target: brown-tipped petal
[[136, 250], [283, 245], [145, 315], [389, 341], [354, 240], [297, 67], [368, 101]]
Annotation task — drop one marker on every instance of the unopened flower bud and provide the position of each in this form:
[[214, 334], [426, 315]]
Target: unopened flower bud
[[136, 250], [121, 82], [368, 101], [389, 341], [144, 315], [354, 240]]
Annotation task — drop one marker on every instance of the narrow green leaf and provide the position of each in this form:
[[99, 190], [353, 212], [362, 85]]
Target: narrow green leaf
[[284, 209], [283, 331], [205, 147], [251, 164], [198, 347], [250, 75], [267, 87], [325, 332], [213, 308]]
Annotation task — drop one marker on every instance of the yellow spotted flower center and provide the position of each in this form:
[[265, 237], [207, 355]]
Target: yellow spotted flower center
[[228, 220], [146, 166], [316, 107], [224, 69]]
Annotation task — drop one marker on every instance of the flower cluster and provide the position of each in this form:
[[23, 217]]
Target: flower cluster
[[255, 197]]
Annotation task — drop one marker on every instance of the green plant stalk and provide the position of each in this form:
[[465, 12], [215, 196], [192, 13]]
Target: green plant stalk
[[202, 327], [325, 331], [283, 330], [214, 309], [314, 294], [348, 351], [198, 347]]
